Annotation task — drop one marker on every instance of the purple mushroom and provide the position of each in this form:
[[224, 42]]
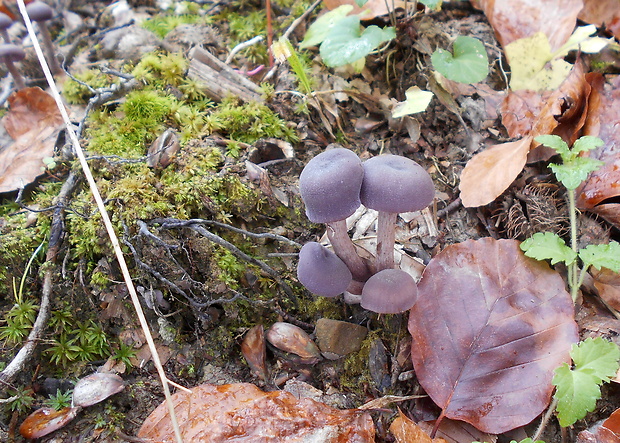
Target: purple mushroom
[[9, 54], [5, 24], [321, 271], [41, 12], [393, 184], [389, 292], [330, 188]]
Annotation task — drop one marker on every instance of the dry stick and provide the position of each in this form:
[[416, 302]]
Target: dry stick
[[105, 217], [56, 230]]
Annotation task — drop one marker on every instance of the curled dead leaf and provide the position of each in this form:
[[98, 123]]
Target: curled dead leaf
[[488, 174], [44, 421]]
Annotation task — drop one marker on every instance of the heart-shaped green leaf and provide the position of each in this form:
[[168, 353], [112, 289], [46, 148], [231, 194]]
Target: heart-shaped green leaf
[[320, 28], [469, 64], [346, 43]]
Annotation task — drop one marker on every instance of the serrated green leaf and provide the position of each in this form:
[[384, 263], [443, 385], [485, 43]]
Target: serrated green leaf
[[598, 357], [577, 393], [345, 43], [469, 64], [596, 361], [417, 101], [602, 256], [548, 246], [572, 174], [555, 142], [586, 143], [320, 28]]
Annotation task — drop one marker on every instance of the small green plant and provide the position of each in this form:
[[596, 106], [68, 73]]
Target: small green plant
[[60, 400], [20, 318], [63, 350], [549, 246], [468, 64], [283, 50], [578, 388], [341, 38], [20, 400], [124, 354]]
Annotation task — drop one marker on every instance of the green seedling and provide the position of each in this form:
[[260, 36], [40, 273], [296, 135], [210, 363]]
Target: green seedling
[[341, 39], [20, 400], [468, 64], [549, 246], [578, 388], [20, 318], [124, 354], [283, 50], [60, 400]]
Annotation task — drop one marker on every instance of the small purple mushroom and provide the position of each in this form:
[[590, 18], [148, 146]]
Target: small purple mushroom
[[41, 12], [321, 271], [5, 23], [9, 54], [389, 292], [393, 184], [330, 188]]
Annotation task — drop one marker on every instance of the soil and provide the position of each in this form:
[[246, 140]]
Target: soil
[[200, 334]]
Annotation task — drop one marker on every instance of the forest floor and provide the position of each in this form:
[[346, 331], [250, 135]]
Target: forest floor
[[204, 285]]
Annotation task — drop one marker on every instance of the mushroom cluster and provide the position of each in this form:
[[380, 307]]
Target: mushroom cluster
[[333, 185]]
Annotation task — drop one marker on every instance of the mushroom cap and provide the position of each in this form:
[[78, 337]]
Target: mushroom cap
[[389, 292], [11, 52], [321, 271], [5, 21], [396, 184], [39, 11], [330, 185]]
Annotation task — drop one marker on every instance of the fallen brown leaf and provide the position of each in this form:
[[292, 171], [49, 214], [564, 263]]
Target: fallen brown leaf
[[515, 19], [33, 122], [491, 172], [406, 431], [243, 413], [488, 329]]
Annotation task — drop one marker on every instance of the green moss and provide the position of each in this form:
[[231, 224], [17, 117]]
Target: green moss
[[76, 93], [356, 372], [248, 122], [161, 70], [162, 24]]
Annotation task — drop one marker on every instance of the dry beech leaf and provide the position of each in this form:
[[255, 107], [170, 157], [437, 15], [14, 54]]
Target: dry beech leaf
[[600, 191], [254, 350], [606, 432], [602, 12], [488, 329], [44, 421], [33, 122], [455, 431], [243, 413], [406, 431], [607, 283], [370, 10], [515, 19], [491, 172]]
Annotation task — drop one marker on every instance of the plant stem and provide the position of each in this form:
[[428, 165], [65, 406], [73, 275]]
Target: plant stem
[[545, 419], [574, 276]]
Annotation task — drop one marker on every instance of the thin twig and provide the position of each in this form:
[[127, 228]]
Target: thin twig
[[106, 220], [168, 223], [56, 231], [242, 46]]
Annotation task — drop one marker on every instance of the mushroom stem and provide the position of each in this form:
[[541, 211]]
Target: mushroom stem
[[345, 249], [17, 77], [49, 48], [386, 224]]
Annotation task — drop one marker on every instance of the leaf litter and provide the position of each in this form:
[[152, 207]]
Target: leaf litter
[[525, 114]]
